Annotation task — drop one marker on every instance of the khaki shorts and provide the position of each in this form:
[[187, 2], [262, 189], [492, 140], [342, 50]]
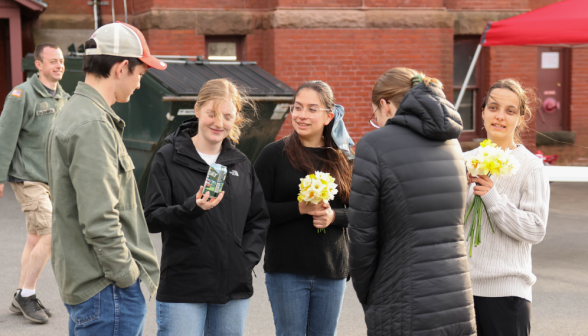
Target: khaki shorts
[[35, 201]]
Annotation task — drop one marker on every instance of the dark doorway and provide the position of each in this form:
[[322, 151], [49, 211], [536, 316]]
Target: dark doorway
[[553, 89], [5, 79]]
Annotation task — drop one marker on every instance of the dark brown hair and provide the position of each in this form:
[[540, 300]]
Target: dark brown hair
[[527, 101], [38, 55], [100, 65], [334, 162]]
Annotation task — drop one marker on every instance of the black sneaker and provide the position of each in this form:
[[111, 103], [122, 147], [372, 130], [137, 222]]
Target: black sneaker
[[31, 308], [13, 307]]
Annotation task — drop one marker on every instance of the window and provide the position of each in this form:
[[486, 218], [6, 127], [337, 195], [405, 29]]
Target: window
[[225, 48], [464, 49]]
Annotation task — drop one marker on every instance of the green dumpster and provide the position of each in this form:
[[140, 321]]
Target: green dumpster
[[166, 99]]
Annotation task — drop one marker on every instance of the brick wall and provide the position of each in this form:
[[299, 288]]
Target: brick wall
[[351, 60], [404, 3], [319, 3], [174, 42], [261, 3], [82, 7], [220, 4], [534, 4], [487, 4], [141, 6], [254, 44]]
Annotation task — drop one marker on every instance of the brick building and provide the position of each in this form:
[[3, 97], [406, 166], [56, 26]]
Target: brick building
[[348, 44]]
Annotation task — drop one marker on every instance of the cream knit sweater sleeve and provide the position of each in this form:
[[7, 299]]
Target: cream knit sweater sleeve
[[528, 221]]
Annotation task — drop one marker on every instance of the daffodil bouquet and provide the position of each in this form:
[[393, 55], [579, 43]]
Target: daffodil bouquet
[[316, 188], [489, 160]]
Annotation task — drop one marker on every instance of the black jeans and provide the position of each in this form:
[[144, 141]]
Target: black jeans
[[502, 316]]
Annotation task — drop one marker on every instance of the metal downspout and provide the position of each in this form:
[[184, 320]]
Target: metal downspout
[[98, 14], [95, 15], [126, 15]]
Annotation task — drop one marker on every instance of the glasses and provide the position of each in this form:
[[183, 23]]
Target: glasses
[[311, 112], [374, 119]]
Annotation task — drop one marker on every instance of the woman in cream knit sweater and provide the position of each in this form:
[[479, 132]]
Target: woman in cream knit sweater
[[518, 206]]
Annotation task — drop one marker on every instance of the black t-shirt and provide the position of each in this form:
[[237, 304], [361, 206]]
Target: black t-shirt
[[49, 91]]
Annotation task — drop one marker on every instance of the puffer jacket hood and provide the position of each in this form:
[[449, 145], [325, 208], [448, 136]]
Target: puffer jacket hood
[[190, 125], [182, 141], [426, 111]]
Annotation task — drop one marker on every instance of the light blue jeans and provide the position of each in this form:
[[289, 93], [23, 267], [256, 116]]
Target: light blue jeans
[[175, 319], [304, 304], [113, 311]]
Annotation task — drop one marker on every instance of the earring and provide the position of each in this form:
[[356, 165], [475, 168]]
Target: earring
[[482, 127]]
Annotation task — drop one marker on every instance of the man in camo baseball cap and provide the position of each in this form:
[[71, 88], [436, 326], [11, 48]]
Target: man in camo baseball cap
[[102, 246]]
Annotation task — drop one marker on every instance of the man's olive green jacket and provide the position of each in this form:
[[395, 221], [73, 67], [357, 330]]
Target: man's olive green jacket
[[29, 111], [99, 231]]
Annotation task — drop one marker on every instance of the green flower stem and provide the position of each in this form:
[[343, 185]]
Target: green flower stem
[[470, 210], [471, 234], [479, 226], [487, 215], [475, 232]]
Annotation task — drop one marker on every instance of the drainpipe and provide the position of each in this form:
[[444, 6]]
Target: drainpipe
[[126, 16], [112, 2], [98, 13], [95, 5]]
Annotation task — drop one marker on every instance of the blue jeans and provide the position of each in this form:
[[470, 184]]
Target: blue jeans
[[197, 318], [114, 311], [304, 304]]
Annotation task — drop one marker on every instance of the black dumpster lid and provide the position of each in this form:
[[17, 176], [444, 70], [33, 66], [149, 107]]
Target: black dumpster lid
[[187, 78]]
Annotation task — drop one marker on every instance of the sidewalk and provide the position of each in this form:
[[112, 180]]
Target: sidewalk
[[560, 296]]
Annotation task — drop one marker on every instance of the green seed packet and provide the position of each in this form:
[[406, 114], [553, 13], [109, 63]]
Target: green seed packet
[[215, 179]]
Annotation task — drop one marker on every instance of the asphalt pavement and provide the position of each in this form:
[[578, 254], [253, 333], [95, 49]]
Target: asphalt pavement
[[560, 296]]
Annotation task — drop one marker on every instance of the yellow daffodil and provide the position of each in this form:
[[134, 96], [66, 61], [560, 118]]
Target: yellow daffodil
[[489, 160], [316, 188]]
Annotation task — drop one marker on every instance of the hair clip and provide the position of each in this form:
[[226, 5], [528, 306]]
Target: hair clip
[[416, 80]]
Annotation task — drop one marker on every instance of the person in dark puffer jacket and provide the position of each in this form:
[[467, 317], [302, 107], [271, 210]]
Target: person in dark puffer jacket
[[408, 259]]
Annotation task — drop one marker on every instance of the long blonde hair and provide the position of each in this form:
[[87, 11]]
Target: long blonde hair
[[223, 90], [396, 82]]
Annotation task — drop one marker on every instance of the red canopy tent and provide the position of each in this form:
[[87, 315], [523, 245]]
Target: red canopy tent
[[563, 24]]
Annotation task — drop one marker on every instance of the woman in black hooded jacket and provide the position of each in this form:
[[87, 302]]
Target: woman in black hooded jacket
[[407, 255], [210, 246]]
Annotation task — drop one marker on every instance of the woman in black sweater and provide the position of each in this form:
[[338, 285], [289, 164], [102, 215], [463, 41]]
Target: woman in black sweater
[[306, 270]]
